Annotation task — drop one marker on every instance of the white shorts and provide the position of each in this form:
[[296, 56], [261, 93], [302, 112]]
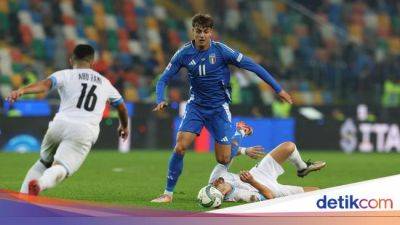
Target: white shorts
[[267, 172], [67, 143]]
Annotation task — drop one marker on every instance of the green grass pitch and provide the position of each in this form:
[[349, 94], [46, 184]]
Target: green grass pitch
[[137, 177]]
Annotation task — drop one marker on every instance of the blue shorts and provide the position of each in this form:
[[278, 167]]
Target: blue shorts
[[216, 120]]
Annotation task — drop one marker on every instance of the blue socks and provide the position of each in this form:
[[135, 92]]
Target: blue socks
[[175, 167], [236, 142], [175, 164]]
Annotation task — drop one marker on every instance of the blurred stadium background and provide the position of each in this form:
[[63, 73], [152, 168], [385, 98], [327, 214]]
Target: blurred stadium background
[[339, 59]]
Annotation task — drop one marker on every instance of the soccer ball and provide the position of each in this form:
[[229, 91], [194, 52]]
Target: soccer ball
[[210, 196]]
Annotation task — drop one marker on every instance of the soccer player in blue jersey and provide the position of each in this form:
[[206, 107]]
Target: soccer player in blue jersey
[[207, 63]]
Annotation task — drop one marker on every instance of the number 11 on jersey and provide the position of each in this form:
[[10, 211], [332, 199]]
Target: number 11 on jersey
[[202, 70]]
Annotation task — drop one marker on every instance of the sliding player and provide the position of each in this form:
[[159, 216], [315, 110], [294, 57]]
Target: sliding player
[[260, 182]]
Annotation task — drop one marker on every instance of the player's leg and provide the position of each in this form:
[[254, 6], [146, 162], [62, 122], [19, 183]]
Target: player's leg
[[34, 173], [47, 151], [220, 126], [190, 127], [242, 130], [221, 168], [183, 141], [50, 178], [175, 165], [68, 159], [289, 151], [69, 156], [222, 153]]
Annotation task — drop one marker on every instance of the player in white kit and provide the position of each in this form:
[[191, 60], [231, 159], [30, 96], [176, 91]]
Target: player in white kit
[[260, 182], [84, 94]]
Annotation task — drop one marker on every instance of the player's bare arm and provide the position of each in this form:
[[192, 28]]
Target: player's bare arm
[[255, 152], [123, 129], [161, 106], [246, 177], [38, 87]]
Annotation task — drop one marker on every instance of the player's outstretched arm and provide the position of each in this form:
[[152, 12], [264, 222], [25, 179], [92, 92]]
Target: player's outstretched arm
[[38, 87], [238, 59], [123, 129], [254, 152], [246, 177], [248, 64]]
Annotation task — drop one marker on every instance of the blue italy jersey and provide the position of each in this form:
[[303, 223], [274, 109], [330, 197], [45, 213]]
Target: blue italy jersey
[[209, 74]]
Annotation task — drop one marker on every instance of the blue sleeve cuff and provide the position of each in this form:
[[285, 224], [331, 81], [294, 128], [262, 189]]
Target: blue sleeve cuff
[[117, 103], [53, 82]]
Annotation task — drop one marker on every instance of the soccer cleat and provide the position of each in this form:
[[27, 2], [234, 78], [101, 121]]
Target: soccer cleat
[[164, 198], [311, 166], [34, 188], [248, 130]]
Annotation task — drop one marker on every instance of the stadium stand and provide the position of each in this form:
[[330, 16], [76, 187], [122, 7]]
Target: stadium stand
[[330, 52]]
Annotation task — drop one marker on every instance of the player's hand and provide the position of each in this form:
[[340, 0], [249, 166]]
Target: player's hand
[[161, 106], [285, 97], [123, 132], [246, 176], [14, 95], [255, 152]]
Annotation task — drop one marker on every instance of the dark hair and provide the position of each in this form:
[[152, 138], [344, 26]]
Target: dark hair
[[202, 20], [83, 52]]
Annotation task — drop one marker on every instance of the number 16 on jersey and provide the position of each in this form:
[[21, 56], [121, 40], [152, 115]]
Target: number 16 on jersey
[[91, 98]]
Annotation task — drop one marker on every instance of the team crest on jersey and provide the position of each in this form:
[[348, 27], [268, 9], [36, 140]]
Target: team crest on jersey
[[212, 58]]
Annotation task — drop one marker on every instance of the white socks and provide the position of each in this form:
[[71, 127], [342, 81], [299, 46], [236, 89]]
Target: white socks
[[170, 193], [52, 176], [296, 160], [35, 172]]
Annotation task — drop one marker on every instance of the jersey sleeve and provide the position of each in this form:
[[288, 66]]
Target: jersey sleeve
[[57, 79], [114, 97], [239, 194], [172, 68], [230, 55], [236, 58], [248, 64]]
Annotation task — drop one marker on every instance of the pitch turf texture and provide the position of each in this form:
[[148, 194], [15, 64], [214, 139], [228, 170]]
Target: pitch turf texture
[[137, 177]]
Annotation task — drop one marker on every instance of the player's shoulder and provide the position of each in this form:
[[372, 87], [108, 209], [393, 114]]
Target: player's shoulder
[[222, 46], [60, 72], [101, 76], [187, 48]]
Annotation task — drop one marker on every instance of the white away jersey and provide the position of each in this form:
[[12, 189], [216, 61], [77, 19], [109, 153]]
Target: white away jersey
[[84, 94], [241, 191]]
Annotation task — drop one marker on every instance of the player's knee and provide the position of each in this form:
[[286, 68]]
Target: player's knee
[[223, 160], [289, 146], [180, 148]]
